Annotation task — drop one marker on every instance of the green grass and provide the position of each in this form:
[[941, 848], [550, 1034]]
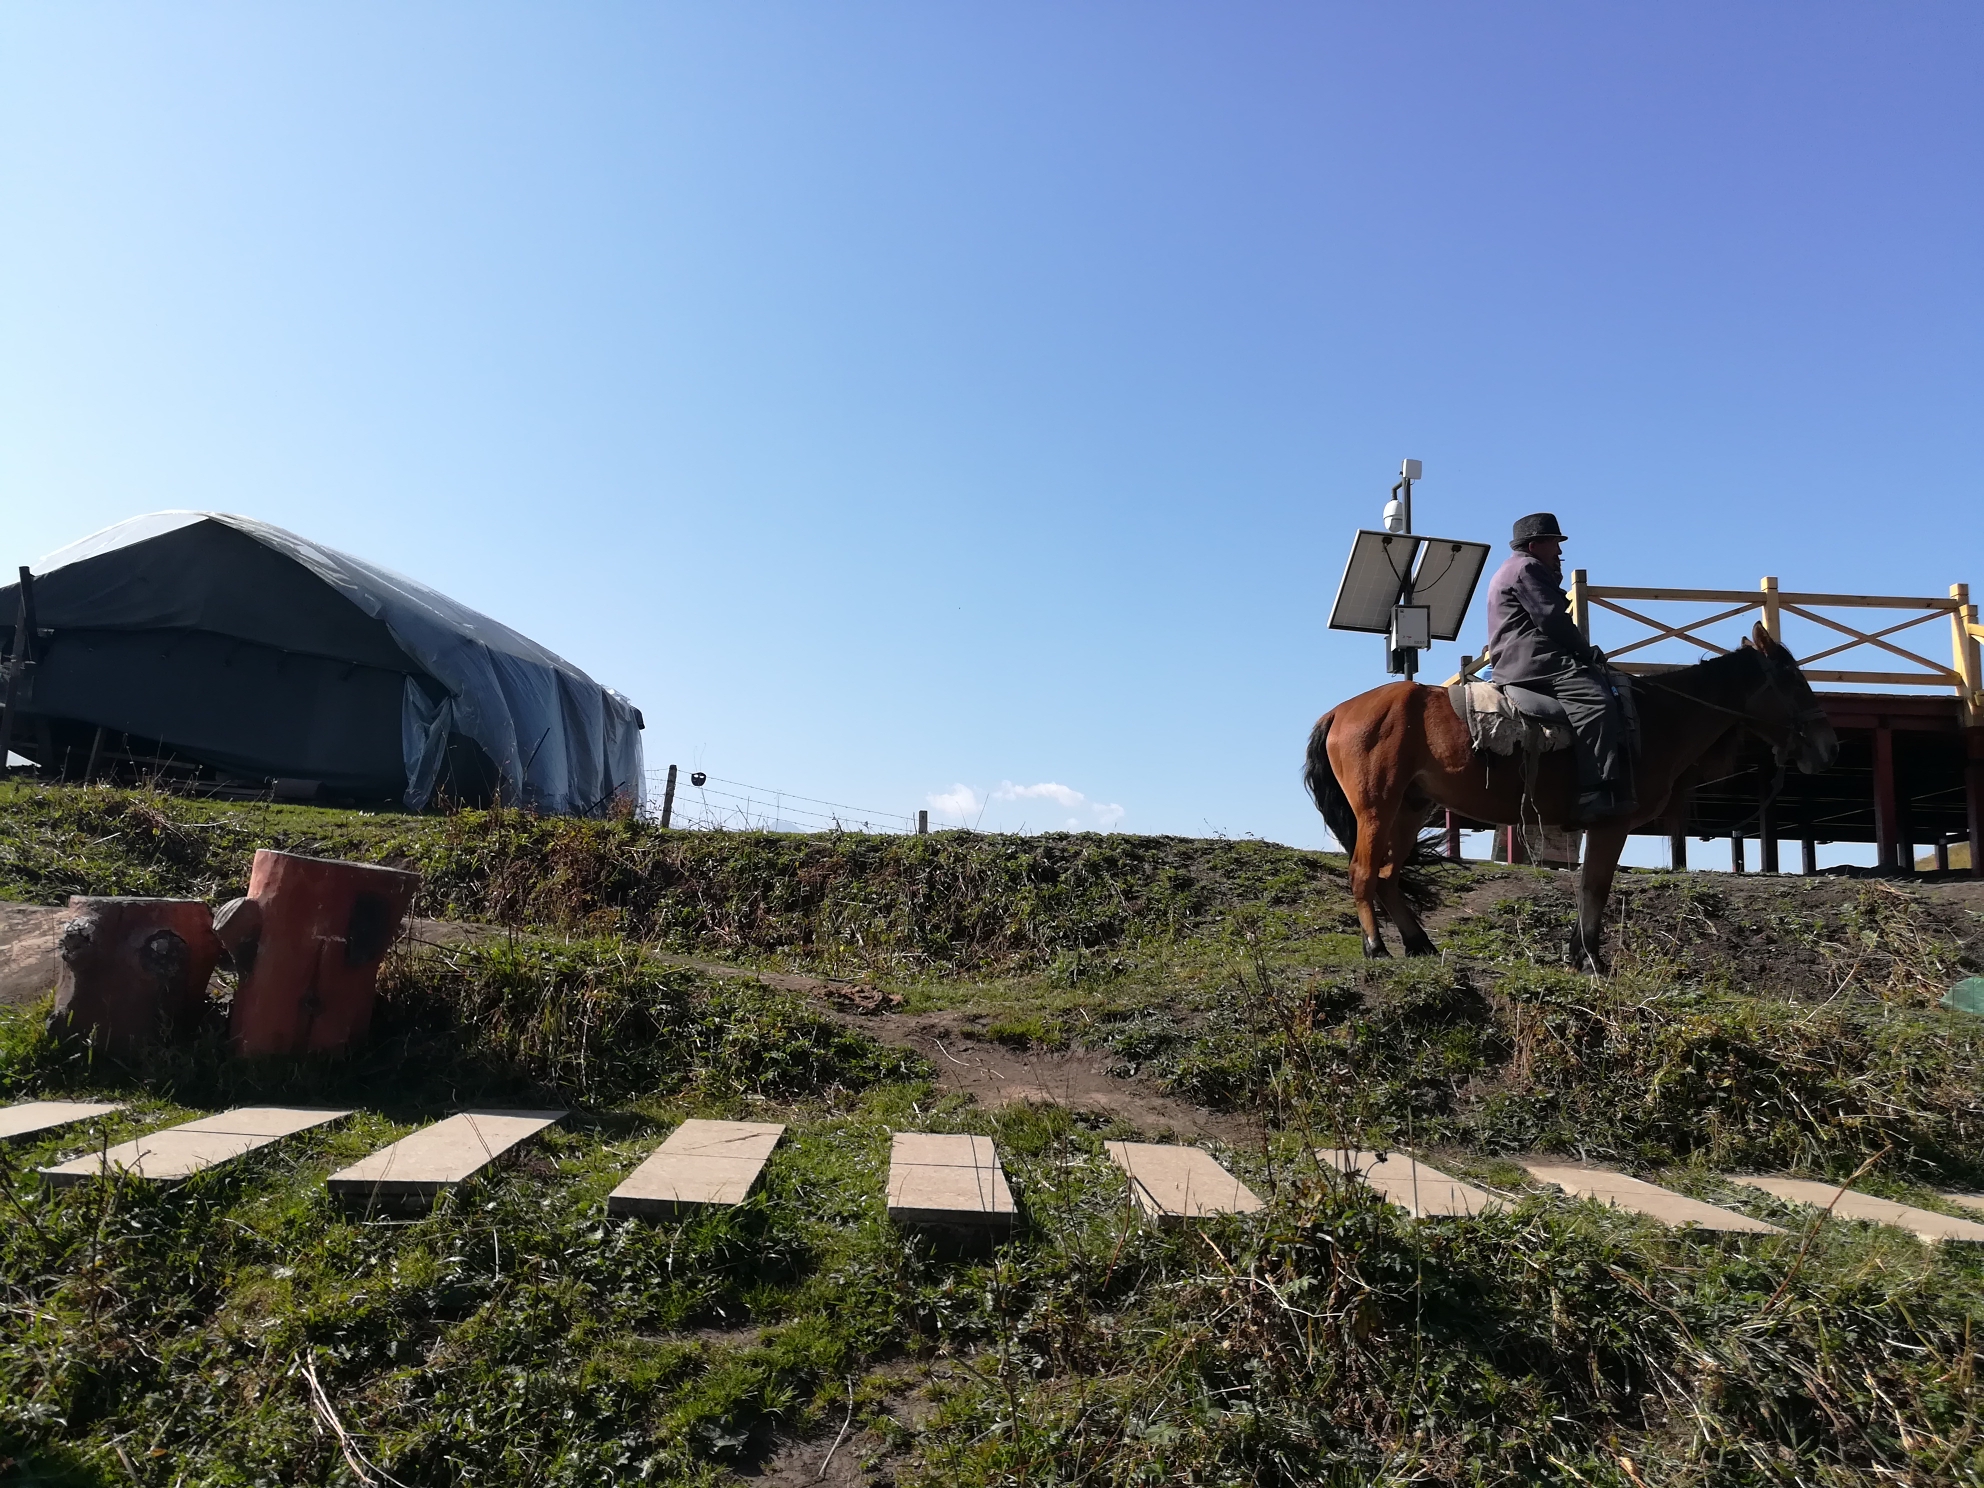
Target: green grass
[[516, 1335]]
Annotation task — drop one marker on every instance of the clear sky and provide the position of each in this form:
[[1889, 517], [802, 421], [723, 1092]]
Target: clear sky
[[929, 405]]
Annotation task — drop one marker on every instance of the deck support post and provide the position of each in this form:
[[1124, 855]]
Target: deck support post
[[1736, 852], [1453, 838], [1766, 839], [1677, 851], [1809, 851], [1973, 796], [1887, 827]]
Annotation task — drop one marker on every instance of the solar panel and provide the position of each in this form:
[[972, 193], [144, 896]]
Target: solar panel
[[1374, 581], [1448, 571], [1379, 563]]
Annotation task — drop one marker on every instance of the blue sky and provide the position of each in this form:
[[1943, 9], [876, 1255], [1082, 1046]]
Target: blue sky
[[926, 406]]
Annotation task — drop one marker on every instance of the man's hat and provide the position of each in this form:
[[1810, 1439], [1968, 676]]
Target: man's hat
[[1533, 526]]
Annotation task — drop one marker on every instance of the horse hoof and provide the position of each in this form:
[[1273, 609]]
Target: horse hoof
[[1375, 950], [1422, 946]]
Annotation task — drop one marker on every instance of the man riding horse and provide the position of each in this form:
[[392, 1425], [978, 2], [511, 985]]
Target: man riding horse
[[1382, 763], [1534, 643]]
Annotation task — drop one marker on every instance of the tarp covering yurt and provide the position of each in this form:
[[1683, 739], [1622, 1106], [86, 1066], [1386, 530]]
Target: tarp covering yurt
[[226, 644]]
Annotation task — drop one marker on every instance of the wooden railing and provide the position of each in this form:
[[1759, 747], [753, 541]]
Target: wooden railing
[[1964, 674]]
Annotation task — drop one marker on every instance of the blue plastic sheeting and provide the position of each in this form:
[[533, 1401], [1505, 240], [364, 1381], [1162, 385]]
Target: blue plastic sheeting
[[560, 742]]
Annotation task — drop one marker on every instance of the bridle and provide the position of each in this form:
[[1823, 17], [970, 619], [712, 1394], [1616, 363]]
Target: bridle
[[1782, 752]]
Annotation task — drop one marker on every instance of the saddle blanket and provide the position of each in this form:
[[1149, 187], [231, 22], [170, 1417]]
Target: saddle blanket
[[1498, 725]]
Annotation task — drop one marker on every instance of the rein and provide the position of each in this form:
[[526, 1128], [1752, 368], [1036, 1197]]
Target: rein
[[1805, 718]]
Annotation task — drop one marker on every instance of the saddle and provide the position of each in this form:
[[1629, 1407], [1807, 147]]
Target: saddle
[[1505, 719]]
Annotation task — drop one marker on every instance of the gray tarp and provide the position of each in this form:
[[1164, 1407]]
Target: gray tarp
[[559, 741]]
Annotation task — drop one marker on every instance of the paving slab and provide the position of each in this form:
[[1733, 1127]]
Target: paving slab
[[1401, 1179], [1925, 1224], [1174, 1184], [1968, 1201], [440, 1156], [180, 1151], [945, 1179], [33, 1116], [703, 1164], [1637, 1197]]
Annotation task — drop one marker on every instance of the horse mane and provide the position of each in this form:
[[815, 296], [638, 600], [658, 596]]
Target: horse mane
[[1715, 679]]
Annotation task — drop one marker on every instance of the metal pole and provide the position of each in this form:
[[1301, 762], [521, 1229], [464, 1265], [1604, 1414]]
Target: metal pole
[[668, 798]]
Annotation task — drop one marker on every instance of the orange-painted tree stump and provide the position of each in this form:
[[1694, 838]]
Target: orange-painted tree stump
[[307, 943], [134, 971]]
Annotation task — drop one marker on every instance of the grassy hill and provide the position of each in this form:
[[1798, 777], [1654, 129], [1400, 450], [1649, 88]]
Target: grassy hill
[[241, 1329]]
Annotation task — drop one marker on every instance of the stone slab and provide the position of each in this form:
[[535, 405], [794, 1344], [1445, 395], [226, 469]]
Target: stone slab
[[1401, 1179], [30, 951], [1925, 1224], [945, 1179], [1173, 1184], [1968, 1201], [703, 1164], [1638, 1197], [34, 1116], [440, 1156], [180, 1151]]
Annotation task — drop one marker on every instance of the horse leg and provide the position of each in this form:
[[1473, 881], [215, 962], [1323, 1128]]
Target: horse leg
[[1365, 866], [1602, 847], [1405, 841]]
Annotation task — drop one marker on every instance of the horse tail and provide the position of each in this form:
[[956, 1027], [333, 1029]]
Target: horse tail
[[1325, 789]]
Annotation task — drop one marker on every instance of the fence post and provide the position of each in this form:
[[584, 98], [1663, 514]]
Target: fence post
[[1580, 603], [668, 798], [1773, 619], [1963, 647], [922, 823]]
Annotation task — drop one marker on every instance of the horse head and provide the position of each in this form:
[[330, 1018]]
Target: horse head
[[1785, 710]]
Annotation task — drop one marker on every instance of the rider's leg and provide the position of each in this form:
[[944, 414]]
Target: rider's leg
[[1601, 735]]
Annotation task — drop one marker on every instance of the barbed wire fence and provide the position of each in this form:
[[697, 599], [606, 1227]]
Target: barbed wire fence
[[698, 801]]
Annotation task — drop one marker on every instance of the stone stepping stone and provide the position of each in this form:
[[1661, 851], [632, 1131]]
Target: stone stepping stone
[[1401, 1179], [1636, 1197], [1174, 1184], [941, 1179], [1925, 1224], [180, 1151], [438, 1157], [703, 1164], [1967, 1201], [34, 1116]]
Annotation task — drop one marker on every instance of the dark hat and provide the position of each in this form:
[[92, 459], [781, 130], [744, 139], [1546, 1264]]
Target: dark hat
[[1533, 526]]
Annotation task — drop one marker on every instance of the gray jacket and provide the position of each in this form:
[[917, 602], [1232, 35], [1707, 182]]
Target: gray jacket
[[1531, 635]]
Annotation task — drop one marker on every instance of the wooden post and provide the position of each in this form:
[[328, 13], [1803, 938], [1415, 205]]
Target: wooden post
[[1964, 653], [1580, 603], [1773, 619], [1516, 851], [1677, 851], [668, 798], [1736, 852], [1973, 796], [1453, 838], [1809, 851], [1766, 841], [1887, 835], [922, 823], [1942, 852]]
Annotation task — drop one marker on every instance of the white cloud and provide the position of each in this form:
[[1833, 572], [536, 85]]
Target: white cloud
[[960, 802], [963, 803], [1047, 790]]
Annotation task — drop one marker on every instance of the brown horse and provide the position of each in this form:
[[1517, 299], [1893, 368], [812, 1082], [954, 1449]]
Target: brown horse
[[1381, 763]]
